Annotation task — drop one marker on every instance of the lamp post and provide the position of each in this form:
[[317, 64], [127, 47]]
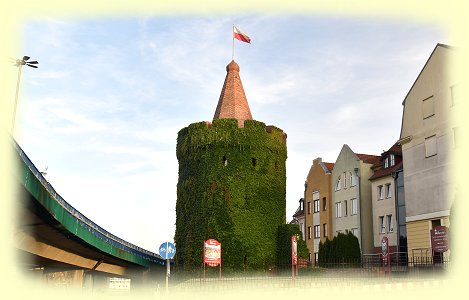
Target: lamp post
[[20, 63]]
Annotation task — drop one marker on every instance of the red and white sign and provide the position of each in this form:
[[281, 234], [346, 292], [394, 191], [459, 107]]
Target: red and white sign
[[294, 251], [439, 236], [212, 252]]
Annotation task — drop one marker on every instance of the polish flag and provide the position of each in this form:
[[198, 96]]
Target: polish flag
[[239, 35]]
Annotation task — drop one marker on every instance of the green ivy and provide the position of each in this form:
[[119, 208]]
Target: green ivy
[[231, 188], [285, 233]]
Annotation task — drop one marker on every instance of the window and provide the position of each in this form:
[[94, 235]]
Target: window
[[428, 107], [338, 209], [390, 224], [380, 192], [354, 231], [337, 185], [345, 180], [392, 160], [345, 208], [309, 207], [386, 163], [324, 230], [430, 146], [316, 206], [353, 179], [324, 204], [382, 229], [302, 229], [388, 190], [309, 232], [354, 206], [317, 231]]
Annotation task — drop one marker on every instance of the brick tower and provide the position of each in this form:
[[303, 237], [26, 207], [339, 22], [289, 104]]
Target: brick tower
[[232, 184]]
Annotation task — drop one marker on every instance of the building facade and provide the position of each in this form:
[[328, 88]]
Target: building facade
[[318, 204], [428, 138], [351, 196], [384, 198]]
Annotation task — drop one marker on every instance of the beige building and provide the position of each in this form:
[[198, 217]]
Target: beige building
[[351, 196], [429, 138], [318, 199], [384, 198]]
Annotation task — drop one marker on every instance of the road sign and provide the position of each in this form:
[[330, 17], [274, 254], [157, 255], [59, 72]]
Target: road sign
[[167, 250], [212, 252], [294, 250]]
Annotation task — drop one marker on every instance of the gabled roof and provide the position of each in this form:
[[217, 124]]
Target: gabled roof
[[233, 103], [378, 169], [329, 166], [424, 66], [368, 158], [415, 81], [385, 172]]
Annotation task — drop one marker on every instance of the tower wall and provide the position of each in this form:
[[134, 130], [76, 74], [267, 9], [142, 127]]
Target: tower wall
[[231, 187]]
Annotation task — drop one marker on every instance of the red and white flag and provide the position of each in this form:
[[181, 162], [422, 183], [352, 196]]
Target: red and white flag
[[239, 35]]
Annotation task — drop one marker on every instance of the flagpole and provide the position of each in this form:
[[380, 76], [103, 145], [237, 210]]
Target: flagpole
[[232, 52]]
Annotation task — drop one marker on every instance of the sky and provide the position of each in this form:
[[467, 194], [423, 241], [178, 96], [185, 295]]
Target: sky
[[103, 110]]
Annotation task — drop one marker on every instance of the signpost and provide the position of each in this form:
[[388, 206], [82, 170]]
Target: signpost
[[212, 254], [294, 256], [385, 252], [167, 251]]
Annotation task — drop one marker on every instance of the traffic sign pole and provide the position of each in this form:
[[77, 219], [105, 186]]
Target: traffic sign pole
[[168, 270], [167, 251]]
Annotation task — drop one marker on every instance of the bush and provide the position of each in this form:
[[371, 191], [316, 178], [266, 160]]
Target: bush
[[343, 247]]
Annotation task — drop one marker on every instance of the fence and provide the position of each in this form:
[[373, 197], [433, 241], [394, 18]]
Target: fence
[[371, 267]]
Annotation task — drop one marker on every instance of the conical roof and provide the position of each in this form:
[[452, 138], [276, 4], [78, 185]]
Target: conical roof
[[233, 102]]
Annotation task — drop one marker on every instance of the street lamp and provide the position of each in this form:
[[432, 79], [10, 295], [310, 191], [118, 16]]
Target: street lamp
[[20, 63]]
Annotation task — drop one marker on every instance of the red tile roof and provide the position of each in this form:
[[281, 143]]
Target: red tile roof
[[329, 166], [378, 169], [368, 158], [233, 102], [385, 172]]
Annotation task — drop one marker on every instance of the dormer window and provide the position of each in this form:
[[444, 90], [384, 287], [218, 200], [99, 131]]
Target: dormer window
[[392, 160], [386, 163]]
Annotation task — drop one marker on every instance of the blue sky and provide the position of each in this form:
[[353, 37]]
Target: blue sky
[[103, 110]]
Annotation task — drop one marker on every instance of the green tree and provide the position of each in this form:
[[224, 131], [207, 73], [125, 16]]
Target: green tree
[[343, 247], [285, 233]]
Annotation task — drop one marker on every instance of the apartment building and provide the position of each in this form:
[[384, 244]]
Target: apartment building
[[385, 205], [351, 196], [429, 137], [318, 204]]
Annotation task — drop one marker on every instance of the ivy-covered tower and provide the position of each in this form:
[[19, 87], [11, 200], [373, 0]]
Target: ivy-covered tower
[[231, 184]]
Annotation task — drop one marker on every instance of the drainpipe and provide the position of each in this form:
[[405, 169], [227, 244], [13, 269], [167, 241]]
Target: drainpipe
[[359, 208]]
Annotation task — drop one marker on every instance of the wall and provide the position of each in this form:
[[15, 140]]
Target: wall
[[231, 187]]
